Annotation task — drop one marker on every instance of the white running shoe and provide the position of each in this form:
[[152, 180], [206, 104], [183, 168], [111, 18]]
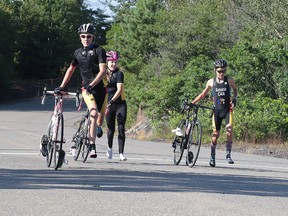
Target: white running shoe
[[178, 132], [122, 158], [109, 153], [73, 151]]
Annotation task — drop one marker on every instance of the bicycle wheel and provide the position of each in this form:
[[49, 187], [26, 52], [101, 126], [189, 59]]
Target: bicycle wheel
[[50, 145], [78, 140], [78, 144], [194, 144], [58, 153], [178, 144], [86, 144]]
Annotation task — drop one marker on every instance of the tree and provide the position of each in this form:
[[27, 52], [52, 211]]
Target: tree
[[8, 47], [135, 36], [47, 34]]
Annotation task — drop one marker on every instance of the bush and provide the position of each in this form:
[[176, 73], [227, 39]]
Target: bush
[[261, 120]]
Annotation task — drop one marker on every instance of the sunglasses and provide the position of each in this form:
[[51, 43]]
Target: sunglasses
[[221, 71], [86, 36]]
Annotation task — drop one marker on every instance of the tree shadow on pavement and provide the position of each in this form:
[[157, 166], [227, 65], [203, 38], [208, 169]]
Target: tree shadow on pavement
[[119, 180]]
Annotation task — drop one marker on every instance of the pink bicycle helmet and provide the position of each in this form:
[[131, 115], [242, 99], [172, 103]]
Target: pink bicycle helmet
[[112, 56]]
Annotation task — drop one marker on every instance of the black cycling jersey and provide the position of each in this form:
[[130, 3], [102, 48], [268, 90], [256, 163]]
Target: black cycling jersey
[[88, 60], [116, 77], [221, 94]]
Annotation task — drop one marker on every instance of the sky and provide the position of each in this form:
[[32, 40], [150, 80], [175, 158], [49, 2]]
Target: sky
[[95, 4]]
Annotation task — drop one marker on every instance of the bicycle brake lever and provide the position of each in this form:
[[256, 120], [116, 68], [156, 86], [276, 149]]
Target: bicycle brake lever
[[43, 99], [43, 96], [77, 98]]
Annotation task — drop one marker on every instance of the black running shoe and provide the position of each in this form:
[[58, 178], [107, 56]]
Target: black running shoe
[[212, 161], [228, 158], [190, 157], [99, 132], [93, 153], [61, 158], [44, 142]]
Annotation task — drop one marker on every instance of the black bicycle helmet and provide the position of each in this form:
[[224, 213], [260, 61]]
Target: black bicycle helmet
[[86, 28], [220, 63]]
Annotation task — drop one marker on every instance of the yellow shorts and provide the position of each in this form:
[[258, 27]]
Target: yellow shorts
[[100, 97]]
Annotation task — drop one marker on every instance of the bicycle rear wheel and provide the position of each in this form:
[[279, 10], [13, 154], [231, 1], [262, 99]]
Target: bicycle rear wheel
[[78, 140], [58, 156], [194, 144], [178, 143], [86, 143], [85, 151], [78, 144]]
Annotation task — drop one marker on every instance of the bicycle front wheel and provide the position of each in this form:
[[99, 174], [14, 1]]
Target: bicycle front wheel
[[50, 145], [50, 148], [178, 143], [58, 156], [194, 144]]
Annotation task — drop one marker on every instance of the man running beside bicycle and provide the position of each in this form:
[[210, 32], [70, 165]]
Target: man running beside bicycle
[[221, 86], [91, 60]]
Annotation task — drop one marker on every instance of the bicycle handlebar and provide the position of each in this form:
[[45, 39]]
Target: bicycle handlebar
[[45, 92], [198, 106], [187, 106]]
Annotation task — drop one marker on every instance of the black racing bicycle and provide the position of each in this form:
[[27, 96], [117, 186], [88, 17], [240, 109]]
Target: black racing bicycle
[[81, 137], [188, 135], [51, 142]]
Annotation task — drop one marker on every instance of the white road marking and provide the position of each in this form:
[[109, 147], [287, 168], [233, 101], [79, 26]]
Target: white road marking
[[162, 159]]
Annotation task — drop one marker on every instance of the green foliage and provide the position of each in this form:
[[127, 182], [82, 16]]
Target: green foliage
[[261, 119], [7, 39], [44, 34], [259, 67], [188, 36], [167, 51], [136, 30]]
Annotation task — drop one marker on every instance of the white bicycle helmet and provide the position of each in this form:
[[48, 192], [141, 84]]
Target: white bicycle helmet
[[86, 28]]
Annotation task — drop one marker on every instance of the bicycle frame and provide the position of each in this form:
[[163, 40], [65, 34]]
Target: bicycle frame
[[191, 138], [191, 118], [54, 145], [81, 137], [58, 110]]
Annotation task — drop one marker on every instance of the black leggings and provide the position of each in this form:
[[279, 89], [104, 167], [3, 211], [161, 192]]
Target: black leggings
[[118, 111]]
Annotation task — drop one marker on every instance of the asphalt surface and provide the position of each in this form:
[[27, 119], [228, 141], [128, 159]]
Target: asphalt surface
[[146, 184]]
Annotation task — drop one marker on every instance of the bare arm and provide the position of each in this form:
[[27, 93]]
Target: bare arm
[[68, 75], [233, 86], [98, 78], [204, 92]]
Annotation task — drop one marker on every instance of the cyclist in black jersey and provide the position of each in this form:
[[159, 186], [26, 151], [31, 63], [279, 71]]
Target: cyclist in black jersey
[[116, 107], [91, 60], [221, 87]]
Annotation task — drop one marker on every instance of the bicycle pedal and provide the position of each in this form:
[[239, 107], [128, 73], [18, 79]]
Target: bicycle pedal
[[44, 140]]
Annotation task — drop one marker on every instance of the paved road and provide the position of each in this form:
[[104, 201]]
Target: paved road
[[147, 184]]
